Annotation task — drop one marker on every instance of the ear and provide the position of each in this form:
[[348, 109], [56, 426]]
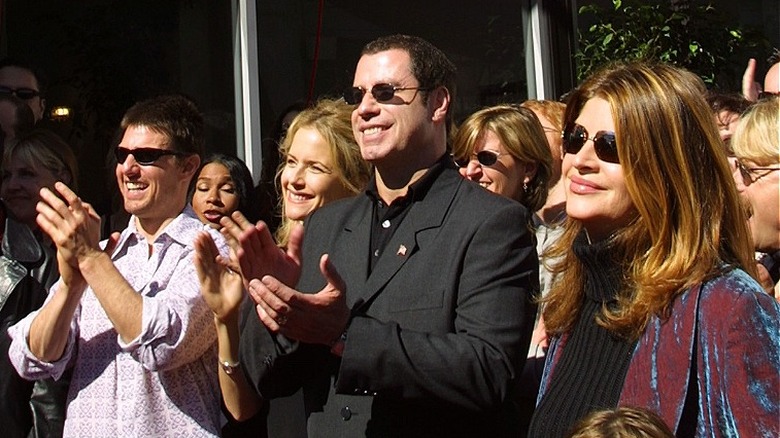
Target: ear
[[439, 102], [190, 165], [530, 171]]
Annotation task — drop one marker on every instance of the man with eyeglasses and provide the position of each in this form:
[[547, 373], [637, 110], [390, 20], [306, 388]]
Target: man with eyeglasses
[[24, 82], [410, 312], [127, 313]]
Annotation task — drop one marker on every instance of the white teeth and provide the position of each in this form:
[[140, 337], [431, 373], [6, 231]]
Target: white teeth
[[295, 197], [135, 186], [375, 130]]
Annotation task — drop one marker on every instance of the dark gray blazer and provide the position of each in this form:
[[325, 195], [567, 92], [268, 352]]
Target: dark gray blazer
[[440, 329]]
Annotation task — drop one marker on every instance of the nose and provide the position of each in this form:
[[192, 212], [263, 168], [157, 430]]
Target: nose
[[473, 170], [738, 180], [213, 196], [368, 106]]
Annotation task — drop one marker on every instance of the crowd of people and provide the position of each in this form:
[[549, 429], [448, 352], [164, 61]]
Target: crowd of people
[[604, 266]]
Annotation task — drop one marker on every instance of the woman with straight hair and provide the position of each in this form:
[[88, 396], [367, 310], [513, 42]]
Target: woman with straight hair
[[655, 304]]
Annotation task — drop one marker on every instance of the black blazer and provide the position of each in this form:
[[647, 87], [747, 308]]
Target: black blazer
[[441, 327]]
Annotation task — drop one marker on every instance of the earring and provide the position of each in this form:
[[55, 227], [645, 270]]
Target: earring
[[525, 187]]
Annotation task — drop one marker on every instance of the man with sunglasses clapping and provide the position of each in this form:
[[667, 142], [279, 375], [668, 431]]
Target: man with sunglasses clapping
[[408, 311], [127, 313]]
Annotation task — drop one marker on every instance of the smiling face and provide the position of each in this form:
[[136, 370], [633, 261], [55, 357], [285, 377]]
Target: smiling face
[[154, 193], [22, 183], [596, 192], [397, 133], [505, 177], [215, 194], [309, 179]]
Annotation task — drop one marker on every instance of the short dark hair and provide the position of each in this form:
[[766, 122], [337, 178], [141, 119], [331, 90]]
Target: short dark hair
[[429, 65], [731, 102], [174, 116], [37, 72], [242, 183]]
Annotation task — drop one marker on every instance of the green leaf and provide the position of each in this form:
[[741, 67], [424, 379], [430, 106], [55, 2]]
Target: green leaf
[[607, 39], [693, 47]]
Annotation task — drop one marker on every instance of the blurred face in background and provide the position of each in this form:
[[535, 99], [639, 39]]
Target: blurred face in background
[[17, 78], [215, 194], [21, 185], [309, 178], [760, 188]]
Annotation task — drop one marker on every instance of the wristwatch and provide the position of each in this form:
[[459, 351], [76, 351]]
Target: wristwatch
[[229, 367]]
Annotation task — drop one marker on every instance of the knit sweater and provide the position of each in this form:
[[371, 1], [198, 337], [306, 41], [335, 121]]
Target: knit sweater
[[594, 362]]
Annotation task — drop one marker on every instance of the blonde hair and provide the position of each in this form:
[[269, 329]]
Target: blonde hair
[[40, 147], [622, 422], [332, 120], [757, 137], [522, 135], [689, 217]]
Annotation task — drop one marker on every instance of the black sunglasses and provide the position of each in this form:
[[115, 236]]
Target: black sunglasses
[[21, 93], [381, 92], [747, 172], [484, 157], [575, 136], [144, 156]]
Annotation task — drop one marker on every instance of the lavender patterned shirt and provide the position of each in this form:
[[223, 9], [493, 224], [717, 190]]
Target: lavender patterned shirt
[[163, 383]]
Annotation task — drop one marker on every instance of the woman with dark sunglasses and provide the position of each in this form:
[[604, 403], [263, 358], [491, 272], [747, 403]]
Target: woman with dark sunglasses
[[503, 148], [654, 293], [757, 174]]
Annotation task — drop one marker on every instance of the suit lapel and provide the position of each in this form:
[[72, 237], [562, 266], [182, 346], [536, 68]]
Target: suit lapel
[[407, 240]]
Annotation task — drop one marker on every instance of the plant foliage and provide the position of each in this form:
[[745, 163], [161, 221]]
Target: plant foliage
[[686, 33]]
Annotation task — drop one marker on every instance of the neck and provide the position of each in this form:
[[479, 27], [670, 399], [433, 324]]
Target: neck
[[391, 184]]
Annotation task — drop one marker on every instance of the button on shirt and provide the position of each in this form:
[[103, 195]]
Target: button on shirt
[[163, 383]]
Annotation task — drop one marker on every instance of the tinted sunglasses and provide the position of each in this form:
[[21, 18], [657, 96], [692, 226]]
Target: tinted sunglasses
[[144, 156], [575, 136], [747, 172], [381, 92], [484, 157], [21, 93]]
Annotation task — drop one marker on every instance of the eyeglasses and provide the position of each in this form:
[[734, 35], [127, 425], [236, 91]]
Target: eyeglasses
[[575, 136], [767, 94], [144, 156], [21, 93], [381, 92], [484, 157], [747, 172]]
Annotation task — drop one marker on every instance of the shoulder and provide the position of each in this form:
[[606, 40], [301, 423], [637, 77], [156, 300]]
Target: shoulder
[[734, 296]]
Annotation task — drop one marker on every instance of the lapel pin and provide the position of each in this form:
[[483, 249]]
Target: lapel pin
[[401, 251]]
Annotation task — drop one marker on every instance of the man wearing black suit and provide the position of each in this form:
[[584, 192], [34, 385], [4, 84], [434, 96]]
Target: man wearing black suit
[[412, 309]]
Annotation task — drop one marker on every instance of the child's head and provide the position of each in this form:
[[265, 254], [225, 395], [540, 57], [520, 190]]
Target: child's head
[[622, 422]]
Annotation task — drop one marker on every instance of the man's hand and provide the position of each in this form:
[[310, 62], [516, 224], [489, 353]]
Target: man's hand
[[257, 252], [312, 318], [750, 88], [220, 280], [72, 224]]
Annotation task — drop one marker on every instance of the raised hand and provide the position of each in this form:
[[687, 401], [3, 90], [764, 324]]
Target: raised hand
[[312, 318], [257, 252], [72, 224], [220, 279]]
